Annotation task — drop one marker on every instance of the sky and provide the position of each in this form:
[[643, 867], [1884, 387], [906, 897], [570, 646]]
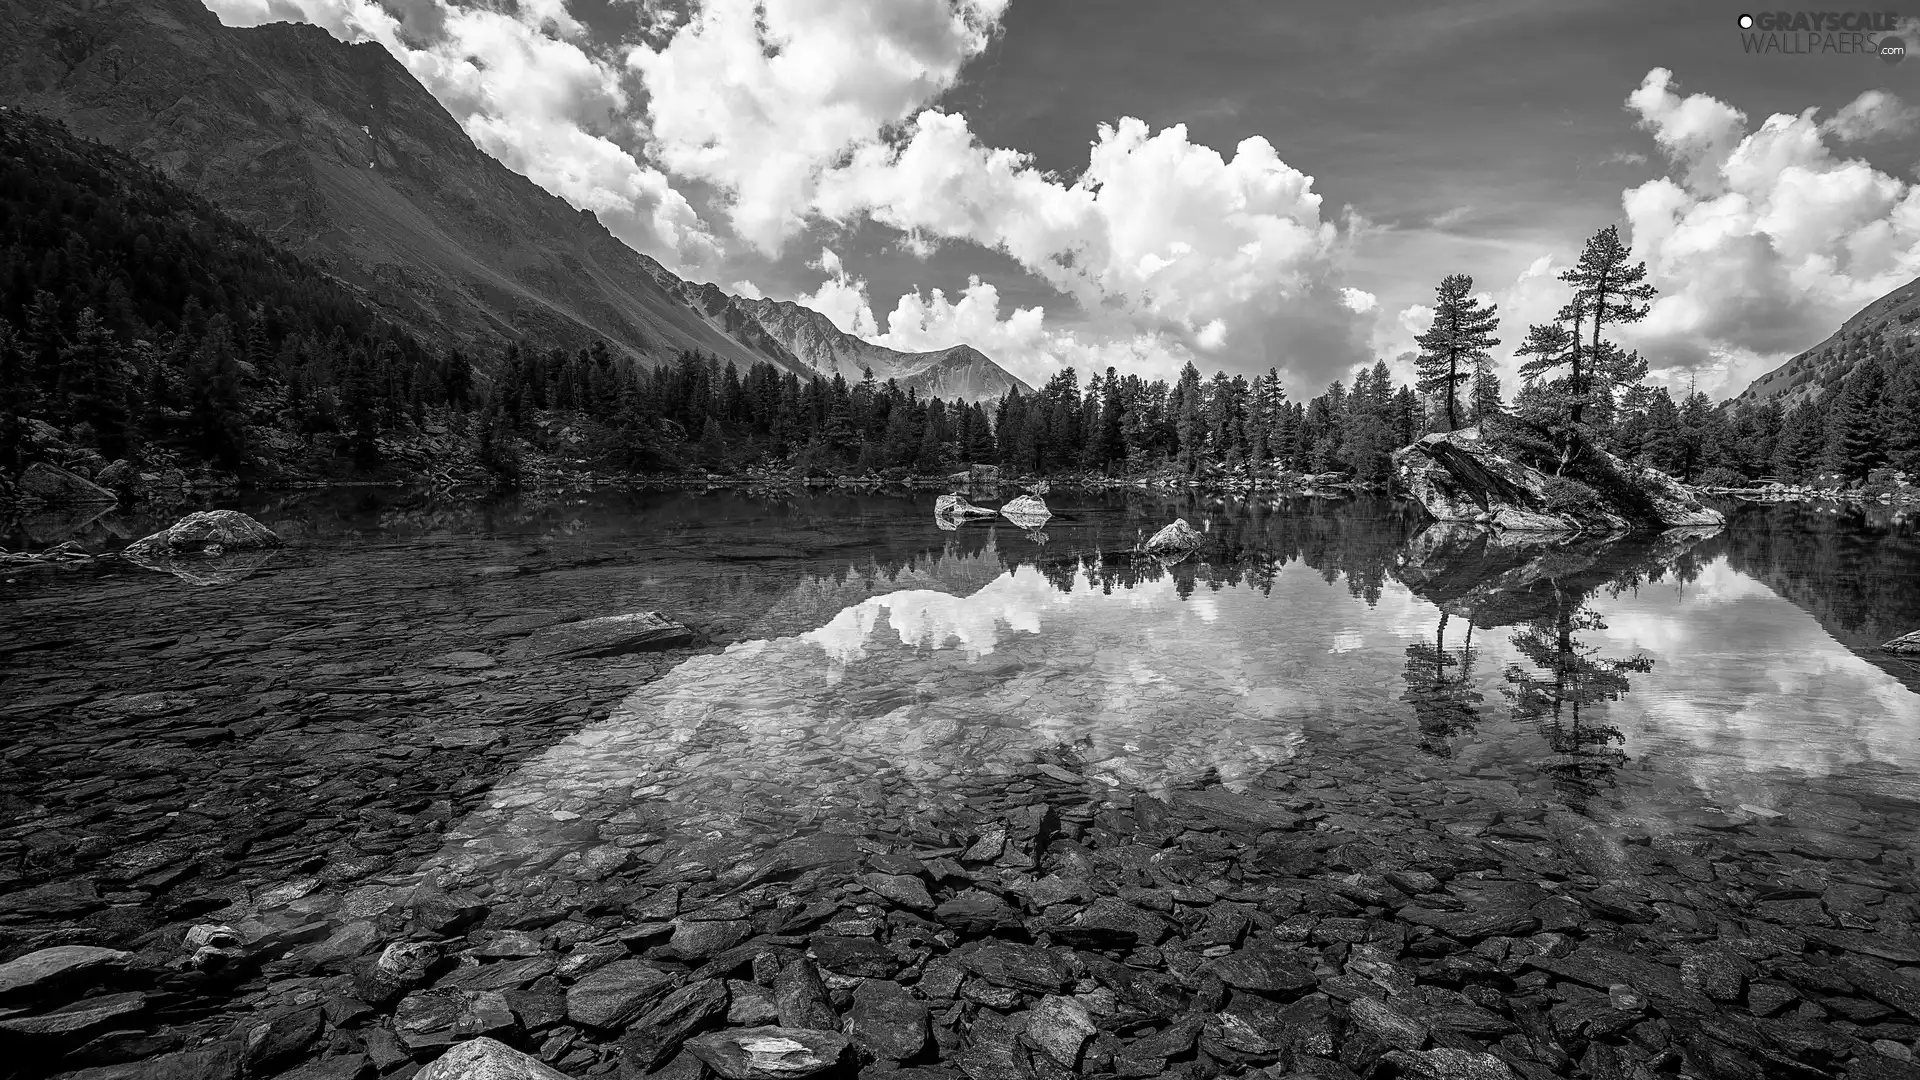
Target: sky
[[1234, 183]]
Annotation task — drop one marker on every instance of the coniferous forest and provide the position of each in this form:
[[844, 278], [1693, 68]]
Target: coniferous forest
[[140, 324]]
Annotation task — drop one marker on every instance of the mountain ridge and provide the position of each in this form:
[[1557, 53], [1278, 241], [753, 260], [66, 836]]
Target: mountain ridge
[[1816, 371], [336, 151]]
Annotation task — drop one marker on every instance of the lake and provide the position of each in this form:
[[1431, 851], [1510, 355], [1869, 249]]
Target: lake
[[306, 741]]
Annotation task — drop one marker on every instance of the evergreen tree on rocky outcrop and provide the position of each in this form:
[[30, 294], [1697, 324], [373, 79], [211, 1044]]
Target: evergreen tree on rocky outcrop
[[1456, 346]]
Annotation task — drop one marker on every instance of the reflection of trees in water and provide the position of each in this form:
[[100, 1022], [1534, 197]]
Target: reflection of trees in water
[[1851, 569], [1565, 694], [1441, 690], [1542, 586]]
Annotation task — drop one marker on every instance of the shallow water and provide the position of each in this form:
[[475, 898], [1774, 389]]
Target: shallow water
[[1645, 681]]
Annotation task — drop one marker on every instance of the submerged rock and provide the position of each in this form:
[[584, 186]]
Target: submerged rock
[[1906, 644], [769, 1053], [206, 532], [609, 635], [1461, 476], [56, 486], [956, 505], [1174, 539]]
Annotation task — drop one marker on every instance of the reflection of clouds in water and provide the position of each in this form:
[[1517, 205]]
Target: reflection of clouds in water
[[1746, 683], [915, 689]]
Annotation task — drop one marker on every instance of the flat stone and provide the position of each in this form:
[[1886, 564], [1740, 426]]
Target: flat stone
[[975, 912], [1263, 969], [1060, 1027], [861, 957], [63, 966], [1241, 811], [769, 1053], [801, 998], [460, 661], [487, 1059], [1019, 967], [77, 1016], [1110, 922], [887, 1022], [1388, 1024], [609, 635], [614, 994], [902, 889], [658, 1035], [1474, 924], [697, 939], [1445, 1063]]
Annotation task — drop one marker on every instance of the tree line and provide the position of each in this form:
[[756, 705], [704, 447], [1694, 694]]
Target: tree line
[[139, 322]]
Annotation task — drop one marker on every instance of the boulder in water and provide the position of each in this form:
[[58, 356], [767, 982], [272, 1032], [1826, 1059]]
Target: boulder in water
[[1027, 511], [1906, 644], [1461, 476], [1176, 538], [956, 505], [206, 532], [55, 486]]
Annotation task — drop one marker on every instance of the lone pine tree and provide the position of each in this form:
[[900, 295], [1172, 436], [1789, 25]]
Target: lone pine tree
[[1455, 348]]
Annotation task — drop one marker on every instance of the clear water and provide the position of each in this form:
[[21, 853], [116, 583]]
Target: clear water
[[868, 662]]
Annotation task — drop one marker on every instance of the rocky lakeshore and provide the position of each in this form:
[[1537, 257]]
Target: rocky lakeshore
[[422, 809]]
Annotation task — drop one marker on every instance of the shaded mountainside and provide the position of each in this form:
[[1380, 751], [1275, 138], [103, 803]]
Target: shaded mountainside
[[1888, 321], [337, 152]]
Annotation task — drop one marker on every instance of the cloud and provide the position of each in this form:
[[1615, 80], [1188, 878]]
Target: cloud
[[1159, 234], [1624, 157], [1696, 132], [1452, 217], [759, 96], [528, 90], [1358, 301], [1874, 114], [1765, 241]]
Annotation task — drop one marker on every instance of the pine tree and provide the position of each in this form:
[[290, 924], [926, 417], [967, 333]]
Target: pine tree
[[1607, 292], [1455, 347]]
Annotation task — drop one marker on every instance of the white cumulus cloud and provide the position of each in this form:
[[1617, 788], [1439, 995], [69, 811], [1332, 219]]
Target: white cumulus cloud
[[1766, 240], [758, 96], [1160, 233], [1874, 114]]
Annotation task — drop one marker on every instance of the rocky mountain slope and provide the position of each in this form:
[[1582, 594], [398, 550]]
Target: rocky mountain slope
[[1889, 320], [959, 372], [335, 151]]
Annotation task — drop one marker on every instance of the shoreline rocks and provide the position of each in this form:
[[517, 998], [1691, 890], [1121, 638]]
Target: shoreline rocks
[[51, 485], [1904, 645]]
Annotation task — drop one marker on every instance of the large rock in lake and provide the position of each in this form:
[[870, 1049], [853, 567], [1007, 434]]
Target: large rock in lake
[[1027, 511], [1460, 476], [55, 486], [211, 547], [1176, 539], [206, 532], [956, 505]]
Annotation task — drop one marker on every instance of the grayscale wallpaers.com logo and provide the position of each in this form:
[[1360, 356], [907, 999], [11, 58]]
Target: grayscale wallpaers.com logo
[[1807, 33]]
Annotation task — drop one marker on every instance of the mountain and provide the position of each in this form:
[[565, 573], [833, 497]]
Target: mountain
[[959, 372], [337, 153], [1888, 320]]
